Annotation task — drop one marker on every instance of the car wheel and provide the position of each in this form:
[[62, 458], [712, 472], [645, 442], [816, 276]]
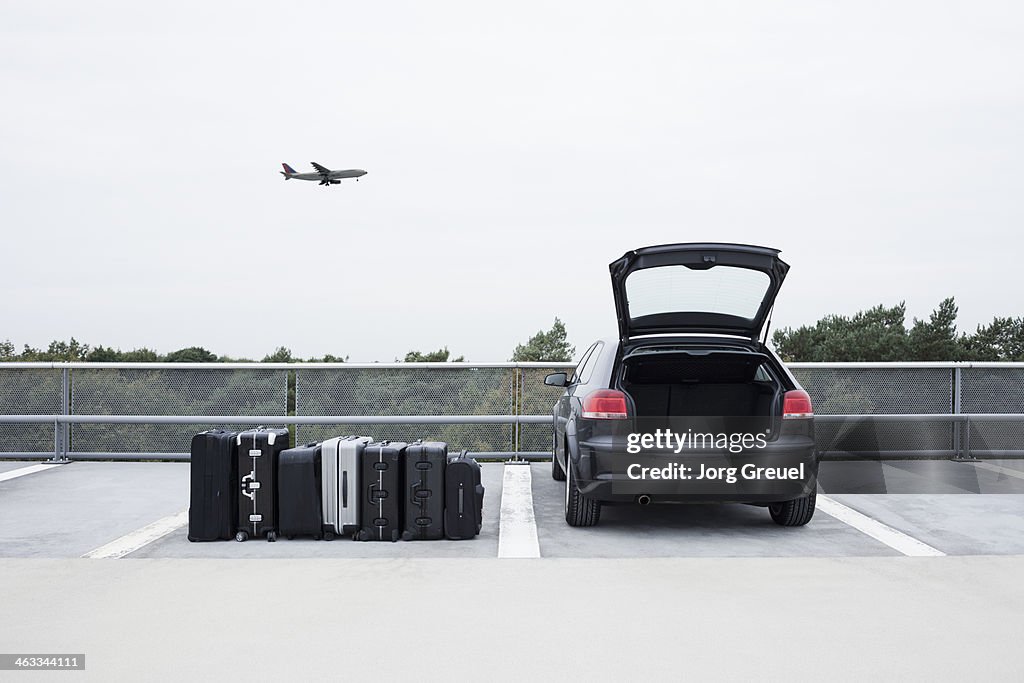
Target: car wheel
[[557, 473], [793, 512], [579, 510]]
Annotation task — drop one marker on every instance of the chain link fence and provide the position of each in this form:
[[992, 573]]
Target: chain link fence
[[162, 391], [851, 390], [537, 398], [30, 391], [390, 390], [993, 390], [507, 391]]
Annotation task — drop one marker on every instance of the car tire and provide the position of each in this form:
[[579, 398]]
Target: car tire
[[557, 473], [793, 512], [579, 510]]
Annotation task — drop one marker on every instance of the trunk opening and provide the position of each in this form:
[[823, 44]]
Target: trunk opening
[[736, 386]]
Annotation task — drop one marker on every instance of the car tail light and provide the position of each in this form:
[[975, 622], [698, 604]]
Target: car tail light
[[796, 404], [605, 404]]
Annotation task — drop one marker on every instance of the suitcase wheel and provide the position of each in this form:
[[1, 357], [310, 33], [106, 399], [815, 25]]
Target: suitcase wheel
[[290, 537], [271, 536], [242, 536], [328, 536]]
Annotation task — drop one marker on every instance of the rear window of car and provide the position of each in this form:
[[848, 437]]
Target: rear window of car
[[672, 289]]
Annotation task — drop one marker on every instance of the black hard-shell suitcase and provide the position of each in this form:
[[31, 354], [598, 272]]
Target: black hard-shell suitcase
[[381, 499], [425, 463], [213, 502], [464, 498], [298, 492], [258, 453]]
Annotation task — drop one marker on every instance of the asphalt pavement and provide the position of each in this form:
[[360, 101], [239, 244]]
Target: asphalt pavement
[[656, 592]]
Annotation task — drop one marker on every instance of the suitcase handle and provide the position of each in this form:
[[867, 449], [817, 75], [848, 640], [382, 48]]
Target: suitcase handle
[[418, 495], [376, 494]]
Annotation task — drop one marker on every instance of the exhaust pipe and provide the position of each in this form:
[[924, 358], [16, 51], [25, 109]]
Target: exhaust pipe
[[644, 499]]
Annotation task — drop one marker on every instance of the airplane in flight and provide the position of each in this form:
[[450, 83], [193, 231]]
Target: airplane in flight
[[325, 175]]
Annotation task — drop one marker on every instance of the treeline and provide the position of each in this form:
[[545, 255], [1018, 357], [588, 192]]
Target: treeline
[[881, 334], [74, 351], [550, 345]]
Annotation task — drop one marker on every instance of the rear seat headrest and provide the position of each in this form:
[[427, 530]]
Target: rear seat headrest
[[712, 369]]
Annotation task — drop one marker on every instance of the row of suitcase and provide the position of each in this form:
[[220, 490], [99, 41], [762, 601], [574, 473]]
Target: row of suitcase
[[251, 484]]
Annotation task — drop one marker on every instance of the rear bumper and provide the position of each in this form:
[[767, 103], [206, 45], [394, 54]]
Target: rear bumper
[[783, 470]]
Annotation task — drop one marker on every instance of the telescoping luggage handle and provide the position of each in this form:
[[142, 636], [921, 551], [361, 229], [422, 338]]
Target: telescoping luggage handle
[[461, 508], [271, 436]]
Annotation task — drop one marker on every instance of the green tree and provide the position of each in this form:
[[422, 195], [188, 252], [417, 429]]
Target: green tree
[[57, 351], [877, 334], [328, 358], [281, 355], [1002, 339], [69, 351], [439, 356], [191, 354], [546, 346], [7, 351], [143, 355], [936, 338], [103, 354]]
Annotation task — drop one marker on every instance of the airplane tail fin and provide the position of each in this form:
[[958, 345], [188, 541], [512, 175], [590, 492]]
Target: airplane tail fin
[[288, 171]]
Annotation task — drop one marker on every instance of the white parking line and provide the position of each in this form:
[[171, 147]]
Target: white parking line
[[22, 471], [1000, 469], [517, 526], [897, 540], [131, 542]]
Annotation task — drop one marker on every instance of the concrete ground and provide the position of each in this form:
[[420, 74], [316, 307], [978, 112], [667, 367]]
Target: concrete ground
[[657, 592]]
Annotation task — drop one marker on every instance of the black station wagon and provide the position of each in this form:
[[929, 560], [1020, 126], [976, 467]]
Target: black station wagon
[[690, 350]]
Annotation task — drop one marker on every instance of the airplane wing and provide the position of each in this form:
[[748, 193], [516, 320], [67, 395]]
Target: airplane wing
[[319, 168]]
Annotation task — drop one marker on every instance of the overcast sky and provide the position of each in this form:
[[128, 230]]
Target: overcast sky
[[513, 151]]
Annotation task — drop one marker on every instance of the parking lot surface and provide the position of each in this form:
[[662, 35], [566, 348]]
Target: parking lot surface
[[654, 592], [958, 508]]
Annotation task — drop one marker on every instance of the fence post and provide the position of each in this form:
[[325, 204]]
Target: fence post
[[515, 409], [56, 442], [65, 404], [958, 432], [291, 401], [517, 390], [60, 429]]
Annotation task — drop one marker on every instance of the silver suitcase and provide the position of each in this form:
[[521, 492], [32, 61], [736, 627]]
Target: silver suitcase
[[340, 480]]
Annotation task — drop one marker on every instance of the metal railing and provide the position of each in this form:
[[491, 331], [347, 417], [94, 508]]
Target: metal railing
[[923, 409], [150, 410]]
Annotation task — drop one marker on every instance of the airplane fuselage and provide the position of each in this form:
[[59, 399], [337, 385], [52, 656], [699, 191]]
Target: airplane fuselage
[[333, 175]]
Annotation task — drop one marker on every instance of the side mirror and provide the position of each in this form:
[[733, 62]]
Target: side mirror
[[557, 379]]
